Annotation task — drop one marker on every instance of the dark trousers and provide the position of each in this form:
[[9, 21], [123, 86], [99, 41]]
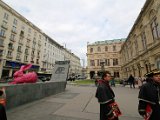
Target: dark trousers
[[2, 113], [132, 84]]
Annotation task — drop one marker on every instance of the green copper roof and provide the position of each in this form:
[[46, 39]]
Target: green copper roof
[[108, 41]]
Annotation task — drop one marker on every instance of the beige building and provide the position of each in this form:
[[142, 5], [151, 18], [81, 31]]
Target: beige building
[[75, 66], [141, 51], [21, 42], [52, 51], [104, 55]]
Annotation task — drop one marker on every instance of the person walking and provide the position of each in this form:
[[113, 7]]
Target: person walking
[[149, 97], [131, 81], [106, 98], [113, 82]]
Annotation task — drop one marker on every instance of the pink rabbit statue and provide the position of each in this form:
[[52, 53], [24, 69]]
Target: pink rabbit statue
[[20, 77]]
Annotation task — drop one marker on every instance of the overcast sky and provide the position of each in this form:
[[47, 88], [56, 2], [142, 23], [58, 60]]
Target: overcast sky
[[73, 23]]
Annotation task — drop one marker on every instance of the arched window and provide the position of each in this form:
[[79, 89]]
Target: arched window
[[106, 48], [91, 50], [99, 49], [158, 63], [114, 47]]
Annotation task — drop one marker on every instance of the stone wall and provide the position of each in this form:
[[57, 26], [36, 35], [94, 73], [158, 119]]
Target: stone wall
[[20, 94]]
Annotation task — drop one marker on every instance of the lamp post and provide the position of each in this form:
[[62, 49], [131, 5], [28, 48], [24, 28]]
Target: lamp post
[[102, 66]]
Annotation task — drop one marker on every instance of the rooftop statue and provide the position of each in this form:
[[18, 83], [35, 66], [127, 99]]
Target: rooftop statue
[[19, 76]]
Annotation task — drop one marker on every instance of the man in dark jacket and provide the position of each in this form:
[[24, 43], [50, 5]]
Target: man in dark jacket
[[149, 95], [105, 96], [131, 81]]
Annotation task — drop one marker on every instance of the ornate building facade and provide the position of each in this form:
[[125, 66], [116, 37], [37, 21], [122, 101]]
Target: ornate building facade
[[141, 51], [104, 55]]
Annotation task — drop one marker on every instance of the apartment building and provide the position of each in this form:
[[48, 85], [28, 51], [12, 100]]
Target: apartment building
[[52, 52], [75, 66], [21, 42], [104, 55], [141, 51]]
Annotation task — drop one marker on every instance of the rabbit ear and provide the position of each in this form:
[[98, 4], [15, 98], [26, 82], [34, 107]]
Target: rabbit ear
[[25, 67]]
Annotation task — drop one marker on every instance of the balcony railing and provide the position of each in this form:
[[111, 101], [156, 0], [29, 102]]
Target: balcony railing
[[4, 26]]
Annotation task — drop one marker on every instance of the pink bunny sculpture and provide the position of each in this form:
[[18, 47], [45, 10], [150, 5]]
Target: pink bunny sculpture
[[19, 77]]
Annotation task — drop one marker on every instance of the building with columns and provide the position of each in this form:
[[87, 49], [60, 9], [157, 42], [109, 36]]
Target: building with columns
[[104, 55], [141, 51]]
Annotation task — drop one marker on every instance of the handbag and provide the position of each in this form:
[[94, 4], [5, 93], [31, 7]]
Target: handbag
[[148, 112], [115, 109]]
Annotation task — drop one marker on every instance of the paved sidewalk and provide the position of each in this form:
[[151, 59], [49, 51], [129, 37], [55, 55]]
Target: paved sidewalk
[[76, 103]]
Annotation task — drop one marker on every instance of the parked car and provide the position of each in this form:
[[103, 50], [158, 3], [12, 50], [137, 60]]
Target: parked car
[[44, 76], [71, 78], [6, 79], [81, 77]]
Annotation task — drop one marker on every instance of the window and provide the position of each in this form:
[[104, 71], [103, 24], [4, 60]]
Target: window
[[1, 52], [91, 50], [2, 33], [98, 62], [14, 29], [27, 44], [37, 61], [114, 47], [155, 29], [106, 48], [1, 42], [6, 16], [19, 49], [18, 57], [115, 61], [158, 63], [25, 58], [26, 51], [22, 33], [15, 22], [107, 62], [10, 46], [9, 53], [32, 53], [99, 49], [136, 45], [12, 37], [116, 74], [143, 37], [92, 63]]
